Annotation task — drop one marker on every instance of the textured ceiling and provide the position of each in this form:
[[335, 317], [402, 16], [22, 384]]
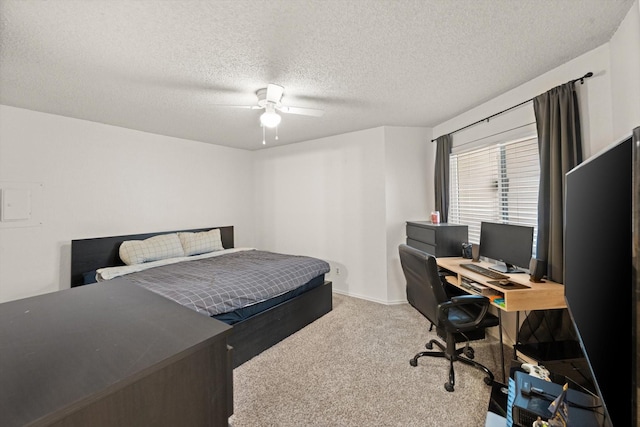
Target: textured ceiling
[[166, 67]]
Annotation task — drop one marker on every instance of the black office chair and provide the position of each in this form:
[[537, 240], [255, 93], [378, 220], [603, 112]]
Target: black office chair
[[459, 318]]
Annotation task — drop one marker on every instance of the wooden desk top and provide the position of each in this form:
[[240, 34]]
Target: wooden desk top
[[533, 296], [64, 348]]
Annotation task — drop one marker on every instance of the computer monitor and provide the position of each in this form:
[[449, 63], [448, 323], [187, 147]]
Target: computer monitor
[[507, 243]]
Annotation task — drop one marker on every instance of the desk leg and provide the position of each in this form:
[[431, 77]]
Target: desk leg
[[504, 375], [517, 332]]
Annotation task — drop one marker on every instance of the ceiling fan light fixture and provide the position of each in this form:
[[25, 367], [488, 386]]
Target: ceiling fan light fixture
[[270, 118]]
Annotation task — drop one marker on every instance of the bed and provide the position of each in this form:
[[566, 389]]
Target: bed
[[256, 326]]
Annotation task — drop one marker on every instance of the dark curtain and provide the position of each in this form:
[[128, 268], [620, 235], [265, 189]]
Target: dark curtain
[[560, 145], [442, 176]]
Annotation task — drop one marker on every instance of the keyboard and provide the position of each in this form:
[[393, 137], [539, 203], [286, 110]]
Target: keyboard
[[484, 271]]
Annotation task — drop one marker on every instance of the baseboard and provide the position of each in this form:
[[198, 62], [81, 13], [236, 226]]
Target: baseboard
[[367, 298]]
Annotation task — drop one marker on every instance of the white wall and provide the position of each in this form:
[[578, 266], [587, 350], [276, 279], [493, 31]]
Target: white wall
[[345, 199], [409, 193], [100, 180], [625, 74], [325, 198]]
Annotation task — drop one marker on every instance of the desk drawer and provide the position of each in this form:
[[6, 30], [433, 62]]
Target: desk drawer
[[430, 249], [425, 235]]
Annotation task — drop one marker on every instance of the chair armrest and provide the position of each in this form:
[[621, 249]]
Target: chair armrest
[[470, 299], [477, 302]]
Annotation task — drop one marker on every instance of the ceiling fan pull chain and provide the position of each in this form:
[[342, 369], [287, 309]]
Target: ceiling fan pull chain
[[263, 140], [276, 133]]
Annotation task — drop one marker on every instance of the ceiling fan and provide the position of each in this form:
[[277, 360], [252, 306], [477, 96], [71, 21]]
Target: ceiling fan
[[270, 99]]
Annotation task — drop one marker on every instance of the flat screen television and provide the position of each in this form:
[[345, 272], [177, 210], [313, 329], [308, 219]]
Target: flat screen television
[[508, 243], [600, 272]]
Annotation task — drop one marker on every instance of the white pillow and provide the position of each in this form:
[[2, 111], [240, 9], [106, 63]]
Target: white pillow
[[201, 242], [154, 248]]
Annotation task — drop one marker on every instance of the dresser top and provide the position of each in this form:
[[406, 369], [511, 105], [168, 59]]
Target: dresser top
[[430, 224], [64, 347]]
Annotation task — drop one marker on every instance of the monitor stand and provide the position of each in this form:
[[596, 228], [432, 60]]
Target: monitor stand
[[506, 268]]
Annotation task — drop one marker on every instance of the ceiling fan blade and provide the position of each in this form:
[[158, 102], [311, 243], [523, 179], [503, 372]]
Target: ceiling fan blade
[[302, 111], [274, 93], [248, 107]]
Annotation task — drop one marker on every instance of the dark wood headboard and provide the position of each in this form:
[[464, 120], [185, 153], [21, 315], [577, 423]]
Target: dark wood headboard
[[88, 255]]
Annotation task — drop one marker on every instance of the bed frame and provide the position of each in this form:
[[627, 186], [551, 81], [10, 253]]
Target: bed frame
[[248, 337]]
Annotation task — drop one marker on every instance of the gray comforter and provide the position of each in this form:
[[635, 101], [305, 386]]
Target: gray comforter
[[225, 283]]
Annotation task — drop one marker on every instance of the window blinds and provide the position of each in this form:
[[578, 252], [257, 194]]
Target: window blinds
[[498, 183]]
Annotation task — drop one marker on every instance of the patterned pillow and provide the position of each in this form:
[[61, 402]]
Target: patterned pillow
[[201, 242], [152, 249]]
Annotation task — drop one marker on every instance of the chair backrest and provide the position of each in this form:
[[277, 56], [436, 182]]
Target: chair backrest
[[425, 289]]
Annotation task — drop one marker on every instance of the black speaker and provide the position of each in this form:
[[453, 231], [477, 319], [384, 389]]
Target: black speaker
[[537, 269], [466, 250]]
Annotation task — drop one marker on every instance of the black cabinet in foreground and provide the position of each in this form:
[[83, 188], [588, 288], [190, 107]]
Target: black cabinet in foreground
[[112, 354]]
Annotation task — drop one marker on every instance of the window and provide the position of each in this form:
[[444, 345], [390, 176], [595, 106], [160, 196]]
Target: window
[[498, 183]]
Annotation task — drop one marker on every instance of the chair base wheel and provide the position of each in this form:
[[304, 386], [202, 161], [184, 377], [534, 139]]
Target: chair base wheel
[[488, 381], [413, 362], [448, 387]]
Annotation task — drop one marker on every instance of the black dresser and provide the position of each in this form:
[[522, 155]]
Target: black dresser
[[112, 354], [437, 239]]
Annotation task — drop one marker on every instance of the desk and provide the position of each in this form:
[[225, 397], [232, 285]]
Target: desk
[[531, 296]]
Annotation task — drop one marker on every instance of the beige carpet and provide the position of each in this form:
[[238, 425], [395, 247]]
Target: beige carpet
[[351, 368]]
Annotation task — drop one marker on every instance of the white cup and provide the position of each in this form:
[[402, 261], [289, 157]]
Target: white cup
[[435, 217]]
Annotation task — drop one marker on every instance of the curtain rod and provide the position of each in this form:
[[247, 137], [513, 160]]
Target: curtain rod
[[581, 79]]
